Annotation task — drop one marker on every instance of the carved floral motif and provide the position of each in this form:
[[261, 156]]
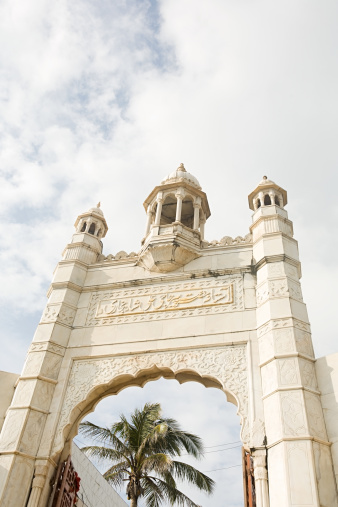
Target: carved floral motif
[[293, 413], [283, 340], [308, 373], [315, 415], [227, 365], [288, 371]]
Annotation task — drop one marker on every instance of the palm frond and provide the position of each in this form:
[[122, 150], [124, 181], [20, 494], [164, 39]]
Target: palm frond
[[104, 453], [152, 493], [117, 473], [183, 471], [104, 435], [158, 462], [173, 495]]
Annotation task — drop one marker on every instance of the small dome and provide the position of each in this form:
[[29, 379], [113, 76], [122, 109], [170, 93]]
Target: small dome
[[181, 174], [266, 181], [96, 210]]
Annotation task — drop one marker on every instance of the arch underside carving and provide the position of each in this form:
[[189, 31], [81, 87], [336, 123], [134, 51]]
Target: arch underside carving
[[93, 379]]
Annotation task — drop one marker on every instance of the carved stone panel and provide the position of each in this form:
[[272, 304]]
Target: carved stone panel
[[269, 378], [293, 414], [288, 372], [283, 339], [272, 415], [32, 433], [304, 342], [46, 364], [301, 480], [227, 365], [266, 348], [12, 429], [308, 373], [175, 300], [315, 416]]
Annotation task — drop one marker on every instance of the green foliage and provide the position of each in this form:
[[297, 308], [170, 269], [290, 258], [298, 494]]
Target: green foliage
[[142, 452]]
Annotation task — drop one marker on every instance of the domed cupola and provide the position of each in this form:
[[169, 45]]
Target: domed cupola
[[267, 193], [176, 213], [181, 174], [92, 222]]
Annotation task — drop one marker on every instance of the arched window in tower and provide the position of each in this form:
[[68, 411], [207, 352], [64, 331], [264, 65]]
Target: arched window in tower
[[277, 200], [84, 227], [92, 229], [187, 217], [258, 203], [168, 214], [267, 200]]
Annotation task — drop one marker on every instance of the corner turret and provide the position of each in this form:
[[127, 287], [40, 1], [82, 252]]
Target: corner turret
[[86, 242]]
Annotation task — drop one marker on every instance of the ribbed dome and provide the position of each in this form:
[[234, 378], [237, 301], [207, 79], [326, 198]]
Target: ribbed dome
[[181, 174], [96, 210]]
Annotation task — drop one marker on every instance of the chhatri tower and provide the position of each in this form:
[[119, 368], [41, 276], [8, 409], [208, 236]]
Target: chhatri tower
[[228, 314]]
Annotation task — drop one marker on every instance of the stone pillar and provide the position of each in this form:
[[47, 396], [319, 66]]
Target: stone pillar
[[197, 206], [159, 201], [296, 435], [179, 197], [261, 479], [202, 227], [149, 220], [30, 419], [37, 486]]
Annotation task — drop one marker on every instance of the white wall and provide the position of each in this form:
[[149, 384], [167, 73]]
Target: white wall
[[327, 376], [7, 382], [94, 489]]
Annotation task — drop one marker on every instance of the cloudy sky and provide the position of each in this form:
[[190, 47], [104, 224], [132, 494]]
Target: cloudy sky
[[100, 100]]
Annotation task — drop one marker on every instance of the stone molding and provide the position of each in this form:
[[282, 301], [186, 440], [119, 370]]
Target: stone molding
[[59, 312], [278, 288], [48, 346], [226, 365], [282, 323]]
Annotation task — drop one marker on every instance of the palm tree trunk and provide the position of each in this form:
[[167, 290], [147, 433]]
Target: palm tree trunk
[[133, 502]]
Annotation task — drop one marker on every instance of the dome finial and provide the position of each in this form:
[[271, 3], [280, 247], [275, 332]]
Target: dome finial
[[265, 177], [98, 205], [182, 168]]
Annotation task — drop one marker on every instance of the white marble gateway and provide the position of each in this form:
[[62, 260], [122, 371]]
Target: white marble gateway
[[228, 314]]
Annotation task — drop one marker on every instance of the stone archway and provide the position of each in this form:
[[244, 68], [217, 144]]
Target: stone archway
[[228, 313], [92, 379]]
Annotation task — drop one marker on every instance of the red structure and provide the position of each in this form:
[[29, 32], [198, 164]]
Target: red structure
[[248, 480], [67, 484]]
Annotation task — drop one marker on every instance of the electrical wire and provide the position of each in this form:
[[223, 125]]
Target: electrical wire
[[221, 445], [216, 469], [217, 450], [206, 447]]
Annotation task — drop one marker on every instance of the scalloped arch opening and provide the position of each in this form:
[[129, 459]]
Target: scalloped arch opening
[[122, 382]]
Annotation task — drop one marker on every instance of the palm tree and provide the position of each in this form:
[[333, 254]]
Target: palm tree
[[141, 452]]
